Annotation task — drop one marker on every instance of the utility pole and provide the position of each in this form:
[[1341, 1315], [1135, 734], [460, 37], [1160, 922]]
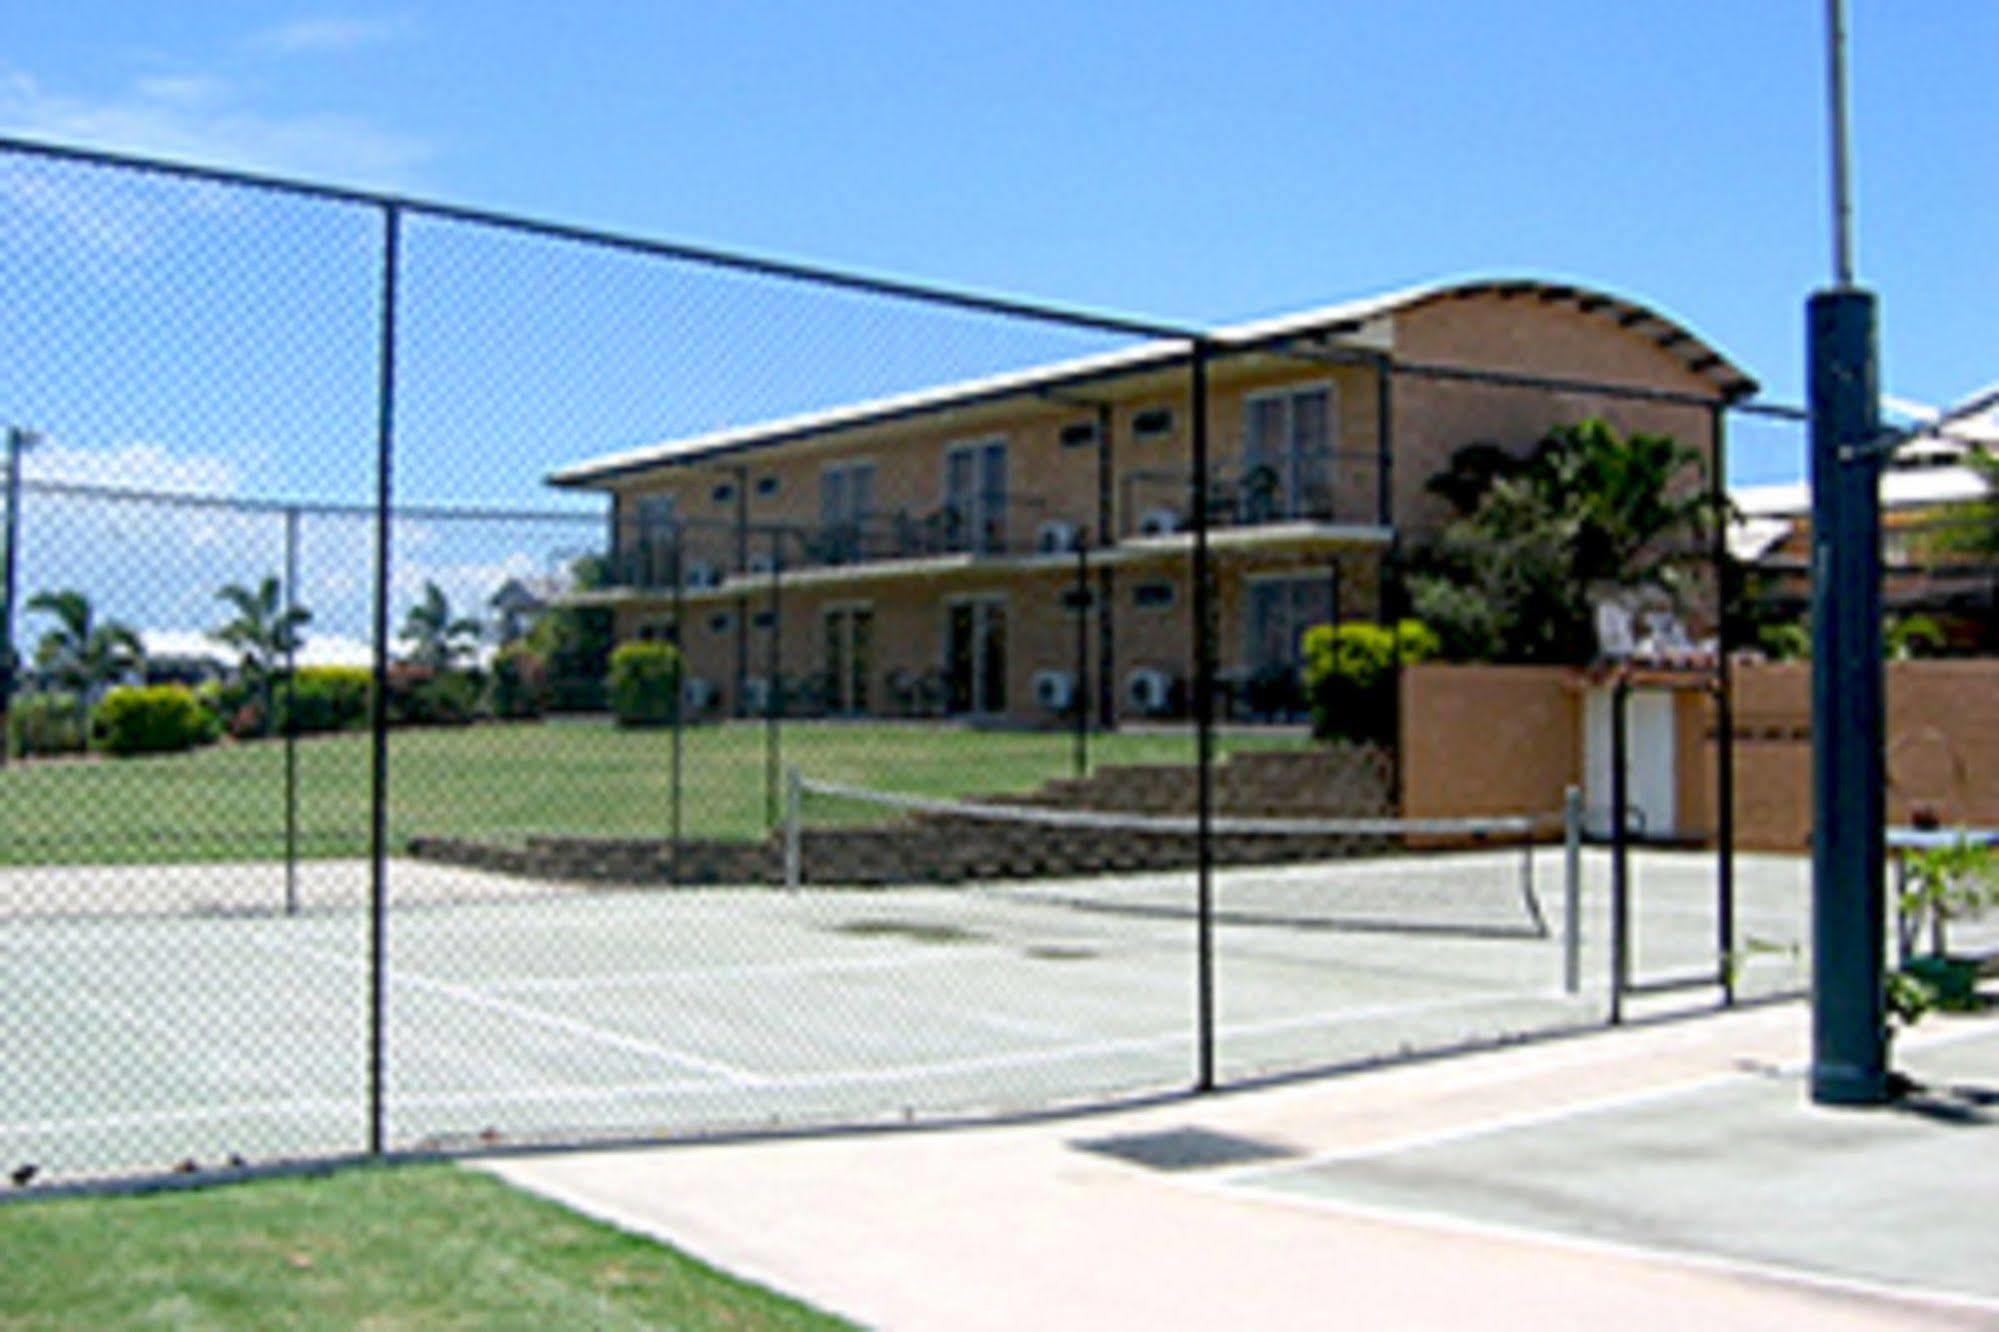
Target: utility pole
[[18, 442], [1849, 1018]]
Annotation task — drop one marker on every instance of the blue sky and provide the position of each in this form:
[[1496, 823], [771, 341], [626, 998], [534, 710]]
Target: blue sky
[[1203, 163]]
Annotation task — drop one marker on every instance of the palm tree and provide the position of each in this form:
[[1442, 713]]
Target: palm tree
[[80, 654], [263, 631], [436, 637]]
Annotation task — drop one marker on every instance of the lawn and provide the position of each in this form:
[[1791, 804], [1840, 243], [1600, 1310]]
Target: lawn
[[506, 780], [425, 1246]]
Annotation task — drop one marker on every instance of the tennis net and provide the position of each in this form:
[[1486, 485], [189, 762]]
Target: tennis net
[[1505, 877]]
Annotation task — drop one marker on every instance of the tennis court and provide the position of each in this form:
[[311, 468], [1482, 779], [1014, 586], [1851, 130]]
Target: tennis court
[[199, 1021]]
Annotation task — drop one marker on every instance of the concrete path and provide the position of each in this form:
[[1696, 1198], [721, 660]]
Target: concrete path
[[1017, 1226]]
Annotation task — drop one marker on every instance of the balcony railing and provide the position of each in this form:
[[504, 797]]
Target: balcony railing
[[659, 557], [1324, 487]]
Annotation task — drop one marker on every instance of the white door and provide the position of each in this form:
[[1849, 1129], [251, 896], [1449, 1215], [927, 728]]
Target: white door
[[1652, 763]]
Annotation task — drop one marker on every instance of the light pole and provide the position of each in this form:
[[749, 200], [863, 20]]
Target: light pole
[[1849, 1017], [18, 442]]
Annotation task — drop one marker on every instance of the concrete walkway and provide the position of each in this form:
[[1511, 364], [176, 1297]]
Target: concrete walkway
[[1018, 1226]]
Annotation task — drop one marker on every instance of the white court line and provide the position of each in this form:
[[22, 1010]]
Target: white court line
[[1558, 1239], [724, 971], [399, 1101], [1554, 1114], [521, 1012]]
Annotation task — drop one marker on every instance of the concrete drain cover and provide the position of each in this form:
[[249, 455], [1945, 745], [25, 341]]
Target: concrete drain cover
[[1184, 1149]]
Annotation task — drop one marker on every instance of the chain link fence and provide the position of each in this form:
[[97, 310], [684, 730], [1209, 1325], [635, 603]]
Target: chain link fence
[[479, 681]]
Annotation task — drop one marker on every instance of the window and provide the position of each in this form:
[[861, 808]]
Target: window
[[1287, 452], [1151, 424], [975, 506], [1152, 596], [766, 485], [724, 493], [763, 620], [1278, 613], [1075, 599], [719, 622], [1079, 434]]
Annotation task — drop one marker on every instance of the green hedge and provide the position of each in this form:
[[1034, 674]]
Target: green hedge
[[1350, 676], [47, 723], [152, 719], [644, 683], [519, 686], [421, 696], [323, 698]]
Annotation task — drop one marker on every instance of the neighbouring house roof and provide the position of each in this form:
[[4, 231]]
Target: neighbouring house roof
[[1900, 489], [189, 645], [1347, 321]]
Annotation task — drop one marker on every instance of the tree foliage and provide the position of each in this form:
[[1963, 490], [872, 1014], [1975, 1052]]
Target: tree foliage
[[437, 638], [82, 654], [1536, 536]]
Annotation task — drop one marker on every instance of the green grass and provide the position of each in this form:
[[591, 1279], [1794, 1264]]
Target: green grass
[[424, 1246], [505, 781]]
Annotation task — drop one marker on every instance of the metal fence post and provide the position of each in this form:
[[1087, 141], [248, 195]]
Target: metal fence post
[[1724, 713], [1204, 727], [1081, 702], [291, 710], [773, 660], [1572, 890], [680, 699], [17, 441], [378, 790], [1620, 847]]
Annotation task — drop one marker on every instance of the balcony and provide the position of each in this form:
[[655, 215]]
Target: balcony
[[700, 556], [1325, 488]]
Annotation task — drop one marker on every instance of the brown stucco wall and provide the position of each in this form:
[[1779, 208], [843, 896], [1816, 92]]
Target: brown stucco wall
[[1943, 747], [1488, 739]]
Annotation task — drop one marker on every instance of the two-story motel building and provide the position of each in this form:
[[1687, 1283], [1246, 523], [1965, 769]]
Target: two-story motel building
[[929, 541]]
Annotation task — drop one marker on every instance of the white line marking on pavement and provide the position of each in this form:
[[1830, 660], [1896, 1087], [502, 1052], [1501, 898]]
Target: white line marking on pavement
[[1667, 1257], [523, 1013]]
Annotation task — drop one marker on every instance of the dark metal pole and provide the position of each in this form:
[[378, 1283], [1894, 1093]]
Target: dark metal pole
[[17, 440], [291, 711], [1849, 1003], [1204, 727], [773, 660], [1106, 578], [378, 709], [680, 638], [1384, 438], [1724, 712], [739, 705], [1620, 845], [1082, 702], [1849, 1033]]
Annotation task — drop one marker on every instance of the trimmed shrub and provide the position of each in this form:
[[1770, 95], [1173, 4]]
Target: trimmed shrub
[[644, 683], [1350, 676], [423, 696], [519, 685], [323, 698], [47, 723], [151, 719]]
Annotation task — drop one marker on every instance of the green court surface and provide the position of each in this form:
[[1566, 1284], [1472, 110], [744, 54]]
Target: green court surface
[[1737, 1170], [198, 1021]]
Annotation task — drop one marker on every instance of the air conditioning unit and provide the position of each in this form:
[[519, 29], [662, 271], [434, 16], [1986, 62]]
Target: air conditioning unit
[[698, 695], [1149, 691], [762, 564], [1159, 522], [1055, 690], [703, 574], [1056, 537], [756, 696]]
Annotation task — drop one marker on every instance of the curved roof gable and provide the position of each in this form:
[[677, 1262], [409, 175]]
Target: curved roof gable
[[1326, 325]]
